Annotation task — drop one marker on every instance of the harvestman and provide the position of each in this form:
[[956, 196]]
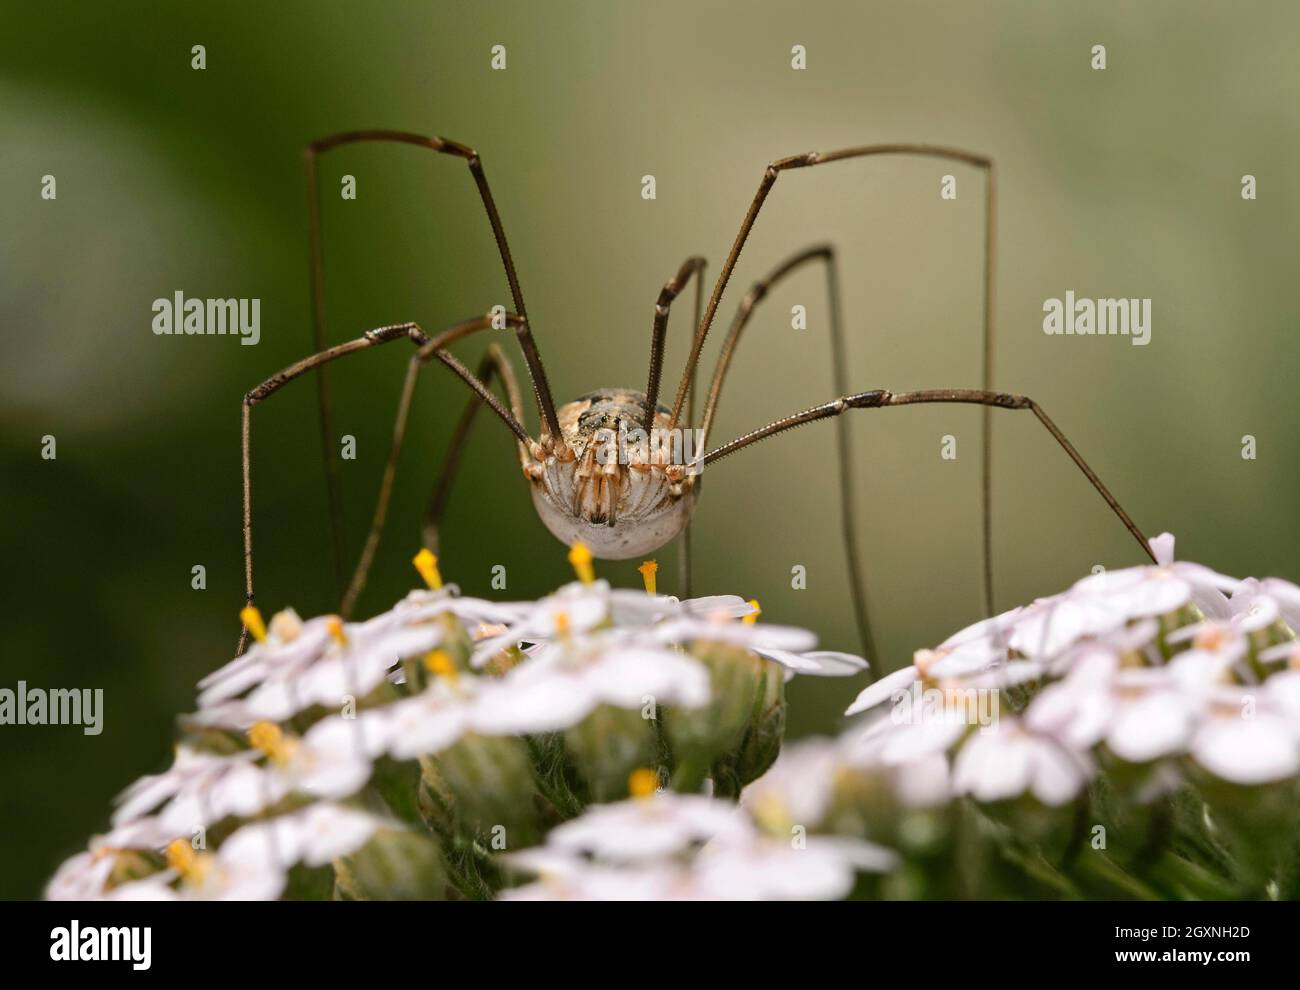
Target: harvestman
[[624, 510]]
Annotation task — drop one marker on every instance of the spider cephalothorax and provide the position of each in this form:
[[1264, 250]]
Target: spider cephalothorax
[[611, 485]]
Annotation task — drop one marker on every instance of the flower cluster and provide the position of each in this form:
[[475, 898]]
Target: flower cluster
[[398, 756], [1137, 735]]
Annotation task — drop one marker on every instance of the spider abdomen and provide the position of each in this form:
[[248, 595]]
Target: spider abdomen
[[609, 484]]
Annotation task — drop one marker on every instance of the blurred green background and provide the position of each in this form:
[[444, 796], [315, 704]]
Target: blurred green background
[[1117, 183]]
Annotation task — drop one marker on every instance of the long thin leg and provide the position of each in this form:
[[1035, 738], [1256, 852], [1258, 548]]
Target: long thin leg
[[659, 331], [495, 362], [684, 557], [382, 335], [770, 175], [839, 373], [691, 267], [536, 372], [881, 398]]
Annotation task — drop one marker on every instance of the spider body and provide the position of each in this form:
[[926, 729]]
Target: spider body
[[614, 469], [608, 484]]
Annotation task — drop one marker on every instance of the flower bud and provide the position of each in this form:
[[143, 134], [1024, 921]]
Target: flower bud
[[607, 746], [395, 865]]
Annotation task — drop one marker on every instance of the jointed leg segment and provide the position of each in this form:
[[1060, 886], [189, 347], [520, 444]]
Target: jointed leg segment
[[692, 267], [536, 372], [881, 398], [839, 371], [429, 349], [770, 176]]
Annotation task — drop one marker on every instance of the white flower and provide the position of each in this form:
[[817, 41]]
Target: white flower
[[432, 720], [1288, 653], [761, 867], [1141, 713], [1247, 751], [561, 684], [198, 790], [564, 877], [423, 605], [1051, 626], [788, 646], [1283, 693], [1246, 737], [191, 771], [334, 758], [1287, 596], [254, 862], [922, 735], [1010, 761], [354, 659], [290, 644], [979, 650], [1164, 588], [656, 826], [139, 833], [80, 878], [628, 608], [575, 609], [669, 846], [799, 786]]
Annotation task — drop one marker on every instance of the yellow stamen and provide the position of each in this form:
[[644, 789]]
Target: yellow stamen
[[271, 740], [752, 617], [426, 562], [180, 855], [580, 558], [648, 570], [440, 664], [642, 783], [335, 627], [182, 858], [561, 624], [252, 620]]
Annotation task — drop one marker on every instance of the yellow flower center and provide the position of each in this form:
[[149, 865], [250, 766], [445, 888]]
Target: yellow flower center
[[271, 740], [440, 664], [562, 624], [182, 858], [642, 783], [335, 627], [752, 617], [252, 620], [426, 562]]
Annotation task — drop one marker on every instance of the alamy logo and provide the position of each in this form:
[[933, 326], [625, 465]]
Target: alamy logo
[[660, 446], [178, 315], [77, 944], [60, 706], [1098, 317], [964, 705]]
